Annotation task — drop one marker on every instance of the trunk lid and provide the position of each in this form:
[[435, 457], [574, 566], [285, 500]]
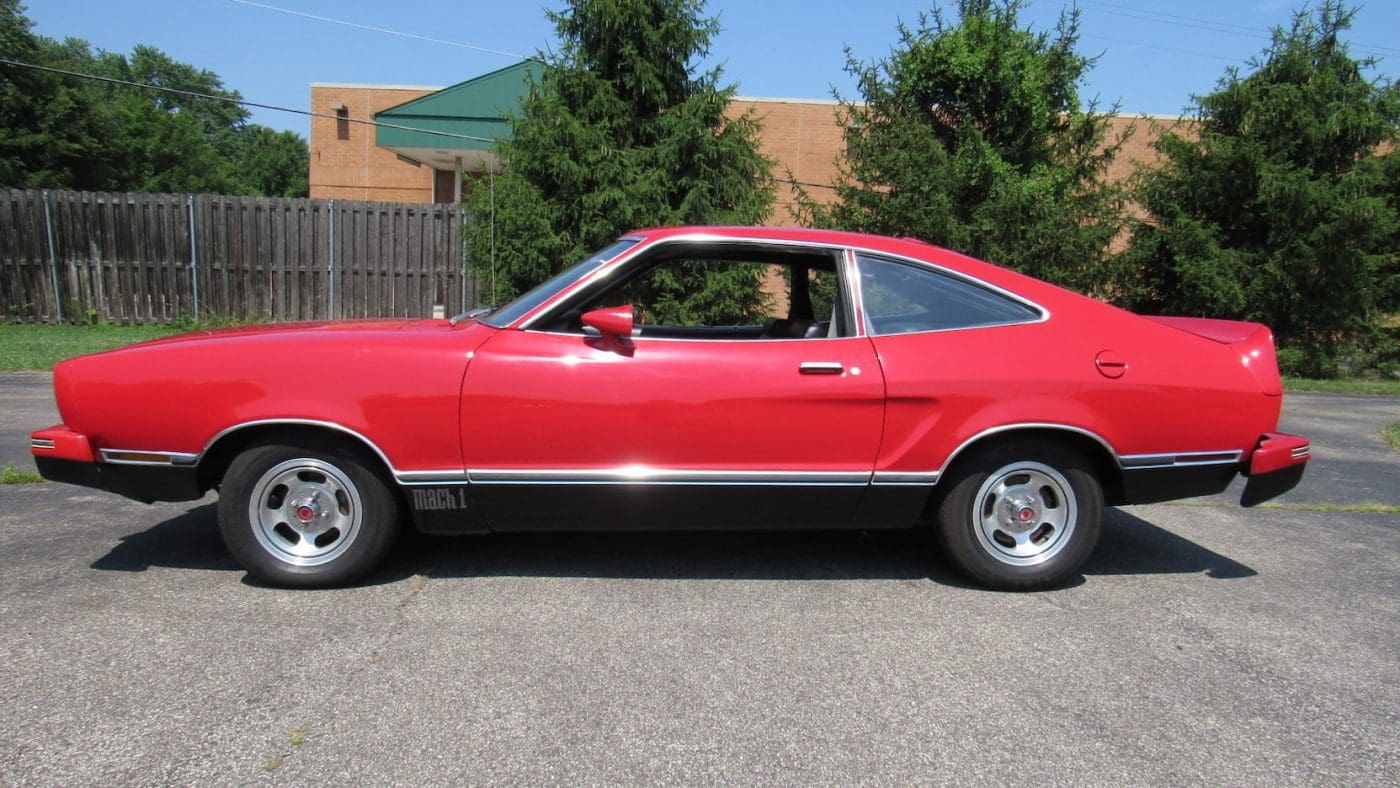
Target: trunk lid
[[1254, 343]]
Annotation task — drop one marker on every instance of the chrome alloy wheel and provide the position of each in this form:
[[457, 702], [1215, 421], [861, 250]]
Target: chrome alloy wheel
[[305, 512], [1025, 513]]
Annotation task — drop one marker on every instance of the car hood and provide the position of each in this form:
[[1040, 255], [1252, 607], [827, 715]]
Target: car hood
[[230, 373], [292, 330]]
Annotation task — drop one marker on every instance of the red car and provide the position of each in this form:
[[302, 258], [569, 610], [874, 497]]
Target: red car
[[692, 377]]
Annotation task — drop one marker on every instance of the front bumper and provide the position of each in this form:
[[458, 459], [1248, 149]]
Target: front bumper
[[1274, 467], [64, 455]]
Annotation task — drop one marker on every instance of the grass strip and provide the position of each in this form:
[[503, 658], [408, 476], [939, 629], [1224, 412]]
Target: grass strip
[[1344, 386], [13, 474], [36, 346], [1392, 435]]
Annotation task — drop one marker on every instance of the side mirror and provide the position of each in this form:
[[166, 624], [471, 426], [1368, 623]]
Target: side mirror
[[615, 323]]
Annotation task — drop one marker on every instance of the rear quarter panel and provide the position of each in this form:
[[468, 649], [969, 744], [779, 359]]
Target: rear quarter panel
[[1180, 393]]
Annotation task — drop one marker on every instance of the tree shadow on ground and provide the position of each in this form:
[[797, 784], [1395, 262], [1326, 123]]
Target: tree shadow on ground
[[1130, 546]]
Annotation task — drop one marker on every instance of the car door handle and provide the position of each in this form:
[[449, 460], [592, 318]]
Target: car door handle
[[821, 368]]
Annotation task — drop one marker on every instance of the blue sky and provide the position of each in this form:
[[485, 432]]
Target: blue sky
[[1153, 55]]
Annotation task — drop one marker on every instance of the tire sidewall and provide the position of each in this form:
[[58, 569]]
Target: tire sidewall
[[958, 527], [378, 526]]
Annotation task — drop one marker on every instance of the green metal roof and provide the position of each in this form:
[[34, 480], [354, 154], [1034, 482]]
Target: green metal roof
[[475, 108]]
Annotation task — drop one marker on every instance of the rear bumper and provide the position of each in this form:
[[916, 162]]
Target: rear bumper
[[63, 455], [1274, 467]]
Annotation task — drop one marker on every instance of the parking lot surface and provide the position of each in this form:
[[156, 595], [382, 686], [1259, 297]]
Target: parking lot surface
[[26, 404], [1204, 643]]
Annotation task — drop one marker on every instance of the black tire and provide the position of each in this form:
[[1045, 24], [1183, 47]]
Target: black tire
[[311, 516], [1021, 517]]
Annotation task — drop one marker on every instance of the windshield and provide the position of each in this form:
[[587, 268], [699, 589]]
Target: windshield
[[513, 311]]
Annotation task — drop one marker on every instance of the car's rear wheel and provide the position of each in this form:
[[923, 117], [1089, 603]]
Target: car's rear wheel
[[1019, 517], [306, 516]]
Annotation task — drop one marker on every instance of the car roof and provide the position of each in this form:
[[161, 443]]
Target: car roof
[[811, 235], [913, 248], [1037, 290]]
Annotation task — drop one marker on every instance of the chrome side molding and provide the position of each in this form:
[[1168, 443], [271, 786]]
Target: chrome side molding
[[143, 457], [643, 475], [1182, 460]]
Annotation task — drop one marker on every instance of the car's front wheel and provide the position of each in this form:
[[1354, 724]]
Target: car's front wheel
[[306, 516], [1019, 518]]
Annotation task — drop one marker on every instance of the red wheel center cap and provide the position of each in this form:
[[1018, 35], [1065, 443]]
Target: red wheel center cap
[[305, 513], [1025, 514]]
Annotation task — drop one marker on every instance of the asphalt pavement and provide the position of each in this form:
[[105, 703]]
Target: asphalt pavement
[[1351, 462], [1205, 643], [26, 404]]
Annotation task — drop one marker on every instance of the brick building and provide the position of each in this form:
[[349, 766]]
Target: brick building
[[418, 163], [427, 138]]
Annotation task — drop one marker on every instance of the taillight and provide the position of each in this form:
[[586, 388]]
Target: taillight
[[1258, 356]]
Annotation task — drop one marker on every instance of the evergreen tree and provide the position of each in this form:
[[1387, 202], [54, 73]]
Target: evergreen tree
[[1279, 209], [971, 135], [620, 132]]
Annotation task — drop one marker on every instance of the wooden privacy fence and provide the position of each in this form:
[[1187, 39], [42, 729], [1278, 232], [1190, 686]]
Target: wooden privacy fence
[[151, 258]]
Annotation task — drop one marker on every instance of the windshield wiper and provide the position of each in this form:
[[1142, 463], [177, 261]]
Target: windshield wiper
[[470, 314]]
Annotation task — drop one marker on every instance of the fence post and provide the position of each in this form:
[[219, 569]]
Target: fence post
[[53, 258], [194, 260], [460, 230], [330, 307]]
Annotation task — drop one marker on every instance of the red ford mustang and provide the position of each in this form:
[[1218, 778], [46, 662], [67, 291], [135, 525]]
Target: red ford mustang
[[853, 382]]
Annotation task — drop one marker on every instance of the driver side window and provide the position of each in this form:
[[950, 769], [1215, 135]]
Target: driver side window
[[698, 293], [693, 292]]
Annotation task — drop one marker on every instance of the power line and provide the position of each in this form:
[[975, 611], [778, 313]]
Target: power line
[[1116, 9], [1208, 24], [1212, 55], [1175, 19], [243, 102], [1211, 25], [398, 33]]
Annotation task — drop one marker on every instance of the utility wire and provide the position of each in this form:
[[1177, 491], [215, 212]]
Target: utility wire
[[212, 97], [1215, 26], [398, 33], [1176, 19], [1226, 58]]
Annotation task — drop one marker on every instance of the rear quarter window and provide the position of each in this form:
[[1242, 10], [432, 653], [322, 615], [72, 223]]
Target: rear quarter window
[[900, 298]]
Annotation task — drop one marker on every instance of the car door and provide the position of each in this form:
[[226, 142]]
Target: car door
[[562, 430]]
